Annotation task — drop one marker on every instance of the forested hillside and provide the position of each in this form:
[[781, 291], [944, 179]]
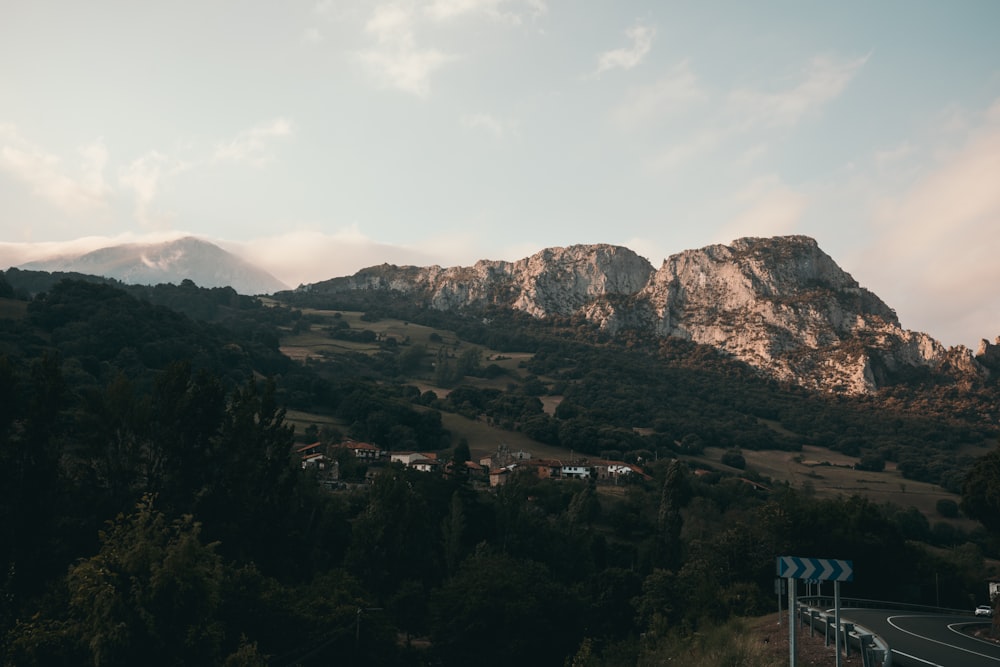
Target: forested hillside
[[153, 513]]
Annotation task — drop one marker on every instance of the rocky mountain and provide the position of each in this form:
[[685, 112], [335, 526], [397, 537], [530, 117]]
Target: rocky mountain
[[779, 304], [190, 258]]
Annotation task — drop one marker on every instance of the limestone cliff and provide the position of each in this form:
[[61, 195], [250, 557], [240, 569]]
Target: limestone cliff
[[555, 281], [779, 304]]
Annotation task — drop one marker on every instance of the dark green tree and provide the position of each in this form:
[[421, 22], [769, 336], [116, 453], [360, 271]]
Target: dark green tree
[[149, 596], [981, 491]]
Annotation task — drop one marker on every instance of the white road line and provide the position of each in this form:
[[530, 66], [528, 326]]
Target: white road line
[[959, 632], [889, 620], [913, 657]]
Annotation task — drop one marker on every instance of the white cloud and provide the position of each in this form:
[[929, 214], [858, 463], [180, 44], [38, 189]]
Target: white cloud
[[250, 146], [448, 9], [308, 256], [312, 36], [677, 91], [943, 233], [823, 80], [746, 113], [16, 254], [142, 176], [768, 207], [676, 154], [628, 57], [489, 124], [47, 177], [395, 57]]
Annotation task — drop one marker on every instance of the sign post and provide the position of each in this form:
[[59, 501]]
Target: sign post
[[836, 620], [820, 569], [792, 585], [779, 590]]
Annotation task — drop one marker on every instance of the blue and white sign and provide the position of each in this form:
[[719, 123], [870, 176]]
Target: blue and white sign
[[821, 569]]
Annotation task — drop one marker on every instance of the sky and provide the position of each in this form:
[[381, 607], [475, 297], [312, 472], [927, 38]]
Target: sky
[[317, 138]]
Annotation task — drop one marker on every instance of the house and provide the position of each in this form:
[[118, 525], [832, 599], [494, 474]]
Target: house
[[575, 471], [311, 456], [362, 450], [426, 465], [406, 458], [546, 468], [617, 471], [499, 476], [422, 461], [314, 461]]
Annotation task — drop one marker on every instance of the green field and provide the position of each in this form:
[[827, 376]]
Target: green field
[[831, 473]]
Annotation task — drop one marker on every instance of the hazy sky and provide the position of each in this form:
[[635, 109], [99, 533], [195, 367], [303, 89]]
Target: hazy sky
[[316, 138]]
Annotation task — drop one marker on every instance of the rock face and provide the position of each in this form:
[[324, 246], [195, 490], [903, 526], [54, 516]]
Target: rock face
[[555, 281], [170, 262], [779, 304]]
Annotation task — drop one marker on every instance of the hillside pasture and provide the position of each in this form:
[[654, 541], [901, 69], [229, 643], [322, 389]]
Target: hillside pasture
[[830, 474]]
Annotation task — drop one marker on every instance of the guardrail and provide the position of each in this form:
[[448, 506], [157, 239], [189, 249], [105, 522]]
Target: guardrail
[[874, 650], [820, 601]]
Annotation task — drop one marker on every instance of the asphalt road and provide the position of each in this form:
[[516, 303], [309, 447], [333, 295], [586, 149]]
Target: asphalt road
[[926, 640]]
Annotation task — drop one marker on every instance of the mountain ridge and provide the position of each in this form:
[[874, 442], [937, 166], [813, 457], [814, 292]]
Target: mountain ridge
[[186, 258], [780, 304]]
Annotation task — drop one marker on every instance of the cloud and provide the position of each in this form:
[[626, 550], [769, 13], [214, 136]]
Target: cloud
[[943, 233], [823, 80], [16, 254], [489, 124], [701, 142], [744, 113], [395, 57], [627, 58], [677, 91], [308, 256], [312, 36], [769, 207], [142, 176], [443, 10], [47, 177], [250, 146]]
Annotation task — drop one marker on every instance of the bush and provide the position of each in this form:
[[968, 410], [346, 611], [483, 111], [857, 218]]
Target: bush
[[734, 459], [947, 508]]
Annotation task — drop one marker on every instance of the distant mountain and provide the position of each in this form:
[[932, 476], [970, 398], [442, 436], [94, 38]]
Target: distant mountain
[[779, 304], [204, 263]]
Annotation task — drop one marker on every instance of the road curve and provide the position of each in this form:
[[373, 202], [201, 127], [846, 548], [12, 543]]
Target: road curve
[[926, 639]]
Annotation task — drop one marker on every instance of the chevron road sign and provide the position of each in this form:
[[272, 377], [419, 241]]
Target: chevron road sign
[[822, 569]]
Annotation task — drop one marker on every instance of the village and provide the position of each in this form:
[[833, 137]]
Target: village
[[493, 470]]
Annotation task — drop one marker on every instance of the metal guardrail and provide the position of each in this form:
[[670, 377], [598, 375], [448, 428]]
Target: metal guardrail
[[820, 601], [874, 650]]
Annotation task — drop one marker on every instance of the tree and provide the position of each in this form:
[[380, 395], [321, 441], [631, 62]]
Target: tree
[[461, 453], [495, 593], [452, 529], [674, 494], [947, 508], [248, 499], [149, 596], [981, 491]]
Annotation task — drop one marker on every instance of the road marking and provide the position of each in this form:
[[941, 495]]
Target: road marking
[[913, 657], [889, 620], [959, 632]]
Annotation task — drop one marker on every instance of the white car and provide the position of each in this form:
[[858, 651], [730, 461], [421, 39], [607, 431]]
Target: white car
[[984, 610]]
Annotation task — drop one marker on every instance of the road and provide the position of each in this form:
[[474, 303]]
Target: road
[[926, 640]]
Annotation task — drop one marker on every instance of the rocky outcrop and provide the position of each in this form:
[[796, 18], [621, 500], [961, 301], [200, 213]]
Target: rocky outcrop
[[779, 304], [555, 281]]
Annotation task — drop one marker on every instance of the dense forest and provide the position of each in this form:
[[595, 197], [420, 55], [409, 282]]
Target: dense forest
[[152, 511]]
